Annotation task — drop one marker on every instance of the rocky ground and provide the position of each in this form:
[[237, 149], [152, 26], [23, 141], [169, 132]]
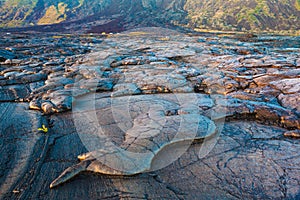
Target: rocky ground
[[247, 86]]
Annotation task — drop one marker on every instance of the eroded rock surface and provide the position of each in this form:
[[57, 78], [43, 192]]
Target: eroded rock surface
[[247, 88]]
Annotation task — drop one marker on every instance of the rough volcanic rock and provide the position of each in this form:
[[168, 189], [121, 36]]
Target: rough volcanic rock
[[126, 89], [287, 86], [290, 101], [23, 146], [250, 94], [13, 93], [5, 55]]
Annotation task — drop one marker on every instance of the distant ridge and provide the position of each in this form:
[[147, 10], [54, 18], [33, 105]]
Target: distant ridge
[[94, 15]]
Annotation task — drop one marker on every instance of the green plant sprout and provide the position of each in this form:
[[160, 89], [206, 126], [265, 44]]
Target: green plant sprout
[[44, 129]]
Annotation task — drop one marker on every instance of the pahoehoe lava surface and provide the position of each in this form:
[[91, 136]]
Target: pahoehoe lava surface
[[149, 136], [140, 87]]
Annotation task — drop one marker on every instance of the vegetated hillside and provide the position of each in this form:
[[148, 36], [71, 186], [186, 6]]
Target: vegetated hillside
[[255, 15], [245, 15]]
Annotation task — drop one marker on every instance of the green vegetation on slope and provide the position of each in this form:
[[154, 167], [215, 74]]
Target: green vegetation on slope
[[251, 15], [54, 14], [14, 12], [297, 4]]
